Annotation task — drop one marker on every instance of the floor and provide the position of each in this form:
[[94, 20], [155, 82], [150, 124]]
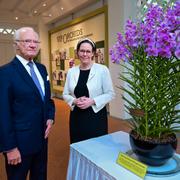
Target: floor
[[59, 142]]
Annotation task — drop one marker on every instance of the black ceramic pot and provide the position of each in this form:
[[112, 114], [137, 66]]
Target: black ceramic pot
[[152, 153]]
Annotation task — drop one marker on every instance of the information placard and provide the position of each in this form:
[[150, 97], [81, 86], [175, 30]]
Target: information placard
[[132, 164]]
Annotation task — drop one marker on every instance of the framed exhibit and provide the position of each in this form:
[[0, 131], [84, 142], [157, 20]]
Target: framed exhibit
[[63, 41]]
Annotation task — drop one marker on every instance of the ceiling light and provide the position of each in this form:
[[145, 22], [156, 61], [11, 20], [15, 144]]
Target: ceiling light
[[16, 18], [62, 8], [44, 4], [35, 11]]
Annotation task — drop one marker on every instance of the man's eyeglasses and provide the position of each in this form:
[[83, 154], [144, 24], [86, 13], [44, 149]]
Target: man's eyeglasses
[[82, 51], [28, 41]]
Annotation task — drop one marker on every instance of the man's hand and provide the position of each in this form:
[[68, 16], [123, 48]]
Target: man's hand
[[13, 156], [49, 124]]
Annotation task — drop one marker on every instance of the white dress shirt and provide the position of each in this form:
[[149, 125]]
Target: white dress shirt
[[26, 66]]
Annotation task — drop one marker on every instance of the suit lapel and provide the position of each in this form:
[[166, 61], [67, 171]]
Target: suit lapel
[[41, 72], [76, 74], [44, 77], [24, 74], [92, 72]]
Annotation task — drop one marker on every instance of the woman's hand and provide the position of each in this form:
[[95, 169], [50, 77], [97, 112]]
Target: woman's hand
[[84, 102]]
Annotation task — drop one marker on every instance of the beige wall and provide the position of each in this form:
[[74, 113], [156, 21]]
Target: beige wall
[[6, 49], [118, 12], [43, 32]]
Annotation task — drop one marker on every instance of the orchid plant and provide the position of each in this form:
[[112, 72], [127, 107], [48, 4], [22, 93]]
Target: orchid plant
[[150, 52]]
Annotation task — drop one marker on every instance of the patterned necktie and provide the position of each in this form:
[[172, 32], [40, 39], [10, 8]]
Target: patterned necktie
[[35, 79]]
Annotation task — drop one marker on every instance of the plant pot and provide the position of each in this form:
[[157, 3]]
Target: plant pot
[[153, 152]]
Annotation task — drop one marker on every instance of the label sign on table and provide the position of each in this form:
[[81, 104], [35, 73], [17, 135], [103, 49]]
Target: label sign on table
[[132, 165]]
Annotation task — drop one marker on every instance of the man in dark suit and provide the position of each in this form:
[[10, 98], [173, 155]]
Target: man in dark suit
[[26, 110]]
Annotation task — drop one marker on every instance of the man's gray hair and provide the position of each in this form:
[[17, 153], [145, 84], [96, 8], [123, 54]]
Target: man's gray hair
[[20, 30]]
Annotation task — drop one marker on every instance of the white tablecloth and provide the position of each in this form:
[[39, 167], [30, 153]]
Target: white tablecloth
[[95, 159]]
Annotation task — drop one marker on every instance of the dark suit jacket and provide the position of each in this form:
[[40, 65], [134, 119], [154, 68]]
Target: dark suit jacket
[[23, 114]]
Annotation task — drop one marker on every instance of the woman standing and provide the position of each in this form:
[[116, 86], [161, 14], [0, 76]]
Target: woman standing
[[87, 90]]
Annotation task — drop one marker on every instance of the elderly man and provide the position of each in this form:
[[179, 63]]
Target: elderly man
[[26, 110]]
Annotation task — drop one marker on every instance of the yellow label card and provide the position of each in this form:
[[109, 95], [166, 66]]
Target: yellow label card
[[132, 165]]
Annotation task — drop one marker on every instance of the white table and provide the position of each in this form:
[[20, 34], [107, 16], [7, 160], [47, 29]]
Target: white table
[[95, 159]]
